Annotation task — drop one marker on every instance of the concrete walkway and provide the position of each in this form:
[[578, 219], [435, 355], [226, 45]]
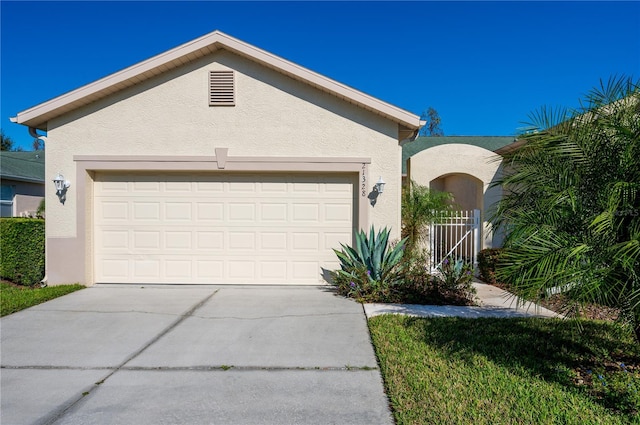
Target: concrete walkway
[[191, 355], [493, 302]]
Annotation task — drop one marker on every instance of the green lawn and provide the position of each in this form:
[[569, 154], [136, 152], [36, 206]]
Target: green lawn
[[508, 371], [16, 298]]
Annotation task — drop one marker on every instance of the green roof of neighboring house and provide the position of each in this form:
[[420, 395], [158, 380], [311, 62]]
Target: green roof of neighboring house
[[491, 143], [23, 166]]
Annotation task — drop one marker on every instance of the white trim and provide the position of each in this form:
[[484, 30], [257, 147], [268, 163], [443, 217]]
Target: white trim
[[38, 115]]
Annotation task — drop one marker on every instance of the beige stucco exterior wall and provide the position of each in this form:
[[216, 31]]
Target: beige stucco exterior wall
[[452, 160], [274, 116]]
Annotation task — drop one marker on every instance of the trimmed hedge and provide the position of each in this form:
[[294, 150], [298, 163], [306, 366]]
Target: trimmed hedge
[[487, 259], [22, 243]]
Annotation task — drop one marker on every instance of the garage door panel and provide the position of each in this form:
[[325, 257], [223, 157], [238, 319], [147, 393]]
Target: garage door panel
[[146, 270], [241, 212], [152, 187], [206, 240], [113, 211], [146, 211], [219, 228], [309, 241], [273, 241], [114, 269], [306, 212], [210, 211], [337, 213], [178, 211], [333, 240], [273, 212], [178, 240], [241, 241]]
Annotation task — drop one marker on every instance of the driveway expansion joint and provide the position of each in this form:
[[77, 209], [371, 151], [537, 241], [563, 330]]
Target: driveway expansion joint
[[225, 368], [284, 316], [41, 310], [41, 367], [56, 415]]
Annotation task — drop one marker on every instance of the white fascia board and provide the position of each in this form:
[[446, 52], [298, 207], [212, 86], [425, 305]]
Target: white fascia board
[[212, 42]]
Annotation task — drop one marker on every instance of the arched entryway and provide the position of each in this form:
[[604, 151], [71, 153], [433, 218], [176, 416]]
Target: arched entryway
[[466, 189]]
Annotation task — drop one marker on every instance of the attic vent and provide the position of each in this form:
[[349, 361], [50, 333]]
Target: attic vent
[[221, 88]]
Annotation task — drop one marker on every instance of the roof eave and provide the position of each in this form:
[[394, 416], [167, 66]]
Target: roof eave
[[21, 178], [39, 115]]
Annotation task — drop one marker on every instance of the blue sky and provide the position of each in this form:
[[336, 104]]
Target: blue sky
[[483, 65]]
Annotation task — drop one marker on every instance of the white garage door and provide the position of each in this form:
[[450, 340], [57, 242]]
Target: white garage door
[[219, 228]]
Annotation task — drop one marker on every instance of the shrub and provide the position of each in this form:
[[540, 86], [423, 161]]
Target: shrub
[[412, 283], [22, 242], [420, 206], [41, 209], [370, 268], [455, 276], [487, 260], [373, 254]]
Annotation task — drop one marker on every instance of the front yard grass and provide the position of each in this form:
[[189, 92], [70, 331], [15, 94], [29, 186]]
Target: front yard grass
[[508, 371], [15, 298]]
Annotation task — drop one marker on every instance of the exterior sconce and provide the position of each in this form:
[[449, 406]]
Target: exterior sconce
[[379, 187], [61, 184]]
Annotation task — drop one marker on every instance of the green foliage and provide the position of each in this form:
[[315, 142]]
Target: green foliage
[[432, 127], [571, 209], [370, 267], [22, 242], [6, 142], [487, 260], [411, 284], [455, 276], [372, 255], [16, 298], [419, 209], [40, 212], [475, 371]]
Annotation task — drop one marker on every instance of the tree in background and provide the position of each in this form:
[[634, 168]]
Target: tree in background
[[6, 142], [432, 127], [571, 208], [38, 145]]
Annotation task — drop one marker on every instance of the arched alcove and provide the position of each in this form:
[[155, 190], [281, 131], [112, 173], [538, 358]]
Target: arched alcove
[[468, 173], [466, 189]]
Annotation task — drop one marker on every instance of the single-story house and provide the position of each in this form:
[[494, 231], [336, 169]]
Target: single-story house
[[465, 166], [21, 183], [215, 162]]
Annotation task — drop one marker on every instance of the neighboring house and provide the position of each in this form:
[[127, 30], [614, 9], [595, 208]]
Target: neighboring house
[[464, 166], [215, 162], [21, 183]]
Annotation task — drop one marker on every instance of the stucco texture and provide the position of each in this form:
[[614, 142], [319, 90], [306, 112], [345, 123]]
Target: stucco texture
[[462, 166], [169, 115]]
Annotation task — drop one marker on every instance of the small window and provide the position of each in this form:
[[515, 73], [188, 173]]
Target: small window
[[221, 88], [6, 200]]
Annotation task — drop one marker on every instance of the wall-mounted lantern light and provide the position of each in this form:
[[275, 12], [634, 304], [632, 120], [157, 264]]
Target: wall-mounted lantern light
[[379, 187], [61, 184]]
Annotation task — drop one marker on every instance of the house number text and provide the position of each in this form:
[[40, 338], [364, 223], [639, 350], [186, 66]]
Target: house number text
[[364, 180]]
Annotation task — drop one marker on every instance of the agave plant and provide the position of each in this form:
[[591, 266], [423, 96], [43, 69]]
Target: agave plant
[[454, 274], [373, 254]]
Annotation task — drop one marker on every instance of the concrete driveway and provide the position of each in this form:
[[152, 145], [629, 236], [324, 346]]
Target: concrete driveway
[[191, 355]]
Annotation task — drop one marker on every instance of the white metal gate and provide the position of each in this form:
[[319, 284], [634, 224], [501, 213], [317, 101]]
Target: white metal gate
[[455, 234]]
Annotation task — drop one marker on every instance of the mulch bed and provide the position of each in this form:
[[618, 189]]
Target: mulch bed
[[560, 304]]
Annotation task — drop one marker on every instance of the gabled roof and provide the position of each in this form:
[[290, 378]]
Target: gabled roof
[[38, 115], [22, 166], [491, 143]]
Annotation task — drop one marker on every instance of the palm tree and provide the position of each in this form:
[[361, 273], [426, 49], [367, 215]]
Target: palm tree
[[420, 208], [571, 208]]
